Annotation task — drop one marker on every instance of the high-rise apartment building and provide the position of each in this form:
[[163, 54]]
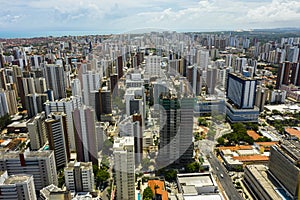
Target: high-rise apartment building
[[3, 104], [79, 176], [124, 168], [103, 105], [85, 134], [288, 73], [8, 101], [40, 164], [19, 186], [35, 103], [132, 126], [66, 105], [56, 129], [37, 131], [55, 78], [90, 82], [153, 66]]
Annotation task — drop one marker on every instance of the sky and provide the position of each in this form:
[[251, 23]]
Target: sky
[[128, 15]]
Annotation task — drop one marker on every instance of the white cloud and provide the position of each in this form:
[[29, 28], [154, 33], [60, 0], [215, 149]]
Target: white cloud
[[169, 14], [277, 11]]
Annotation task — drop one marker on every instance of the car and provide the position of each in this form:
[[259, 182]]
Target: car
[[217, 168], [222, 176]]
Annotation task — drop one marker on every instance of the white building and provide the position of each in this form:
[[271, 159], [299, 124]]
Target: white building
[[55, 78], [18, 186], [135, 101], [37, 131], [153, 65], [40, 164], [90, 82], [79, 176], [124, 168], [67, 106]]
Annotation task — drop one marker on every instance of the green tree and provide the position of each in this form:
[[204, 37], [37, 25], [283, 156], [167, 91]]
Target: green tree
[[101, 176], [192, 167], [221, 141], [171, 175], [147, 194], [202, 121]]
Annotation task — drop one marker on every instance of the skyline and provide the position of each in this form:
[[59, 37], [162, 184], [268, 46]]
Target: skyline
[[120, 17]]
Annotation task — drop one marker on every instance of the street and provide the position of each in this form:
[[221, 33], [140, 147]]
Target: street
[[225, 181]]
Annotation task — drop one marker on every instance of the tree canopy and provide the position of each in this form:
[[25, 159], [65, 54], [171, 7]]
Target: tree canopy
[[147, 194]]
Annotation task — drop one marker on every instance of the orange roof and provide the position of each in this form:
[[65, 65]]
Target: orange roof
[[1, 141], [293, 132], [253, 134], [235, 148], [251, 158], [266, 144], [160, 190]]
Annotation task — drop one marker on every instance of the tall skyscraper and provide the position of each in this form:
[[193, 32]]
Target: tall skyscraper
[[241, 94], [79, 176], [67, 106], [169, 129], [90, 82], [261, 97], [8, 99], [56, 128], [103, 104], [241, 91], [3, 104], [85, 134], [124, 168], [176, 129], [186, 129], [35, 103], [18, 186], [288, 73], [211, 80], [76, 87], [153, 66], [39, 164], [132, 126], [55, 78], [37, 131]]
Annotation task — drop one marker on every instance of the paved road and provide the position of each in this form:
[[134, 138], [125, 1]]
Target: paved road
[[226, 181]]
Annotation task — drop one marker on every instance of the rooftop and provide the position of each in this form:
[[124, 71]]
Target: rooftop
[[83, 165], [251, 158], [196, 179], [293, 132], [15, 179], [260, 173], [253, 134], [160, 190]]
